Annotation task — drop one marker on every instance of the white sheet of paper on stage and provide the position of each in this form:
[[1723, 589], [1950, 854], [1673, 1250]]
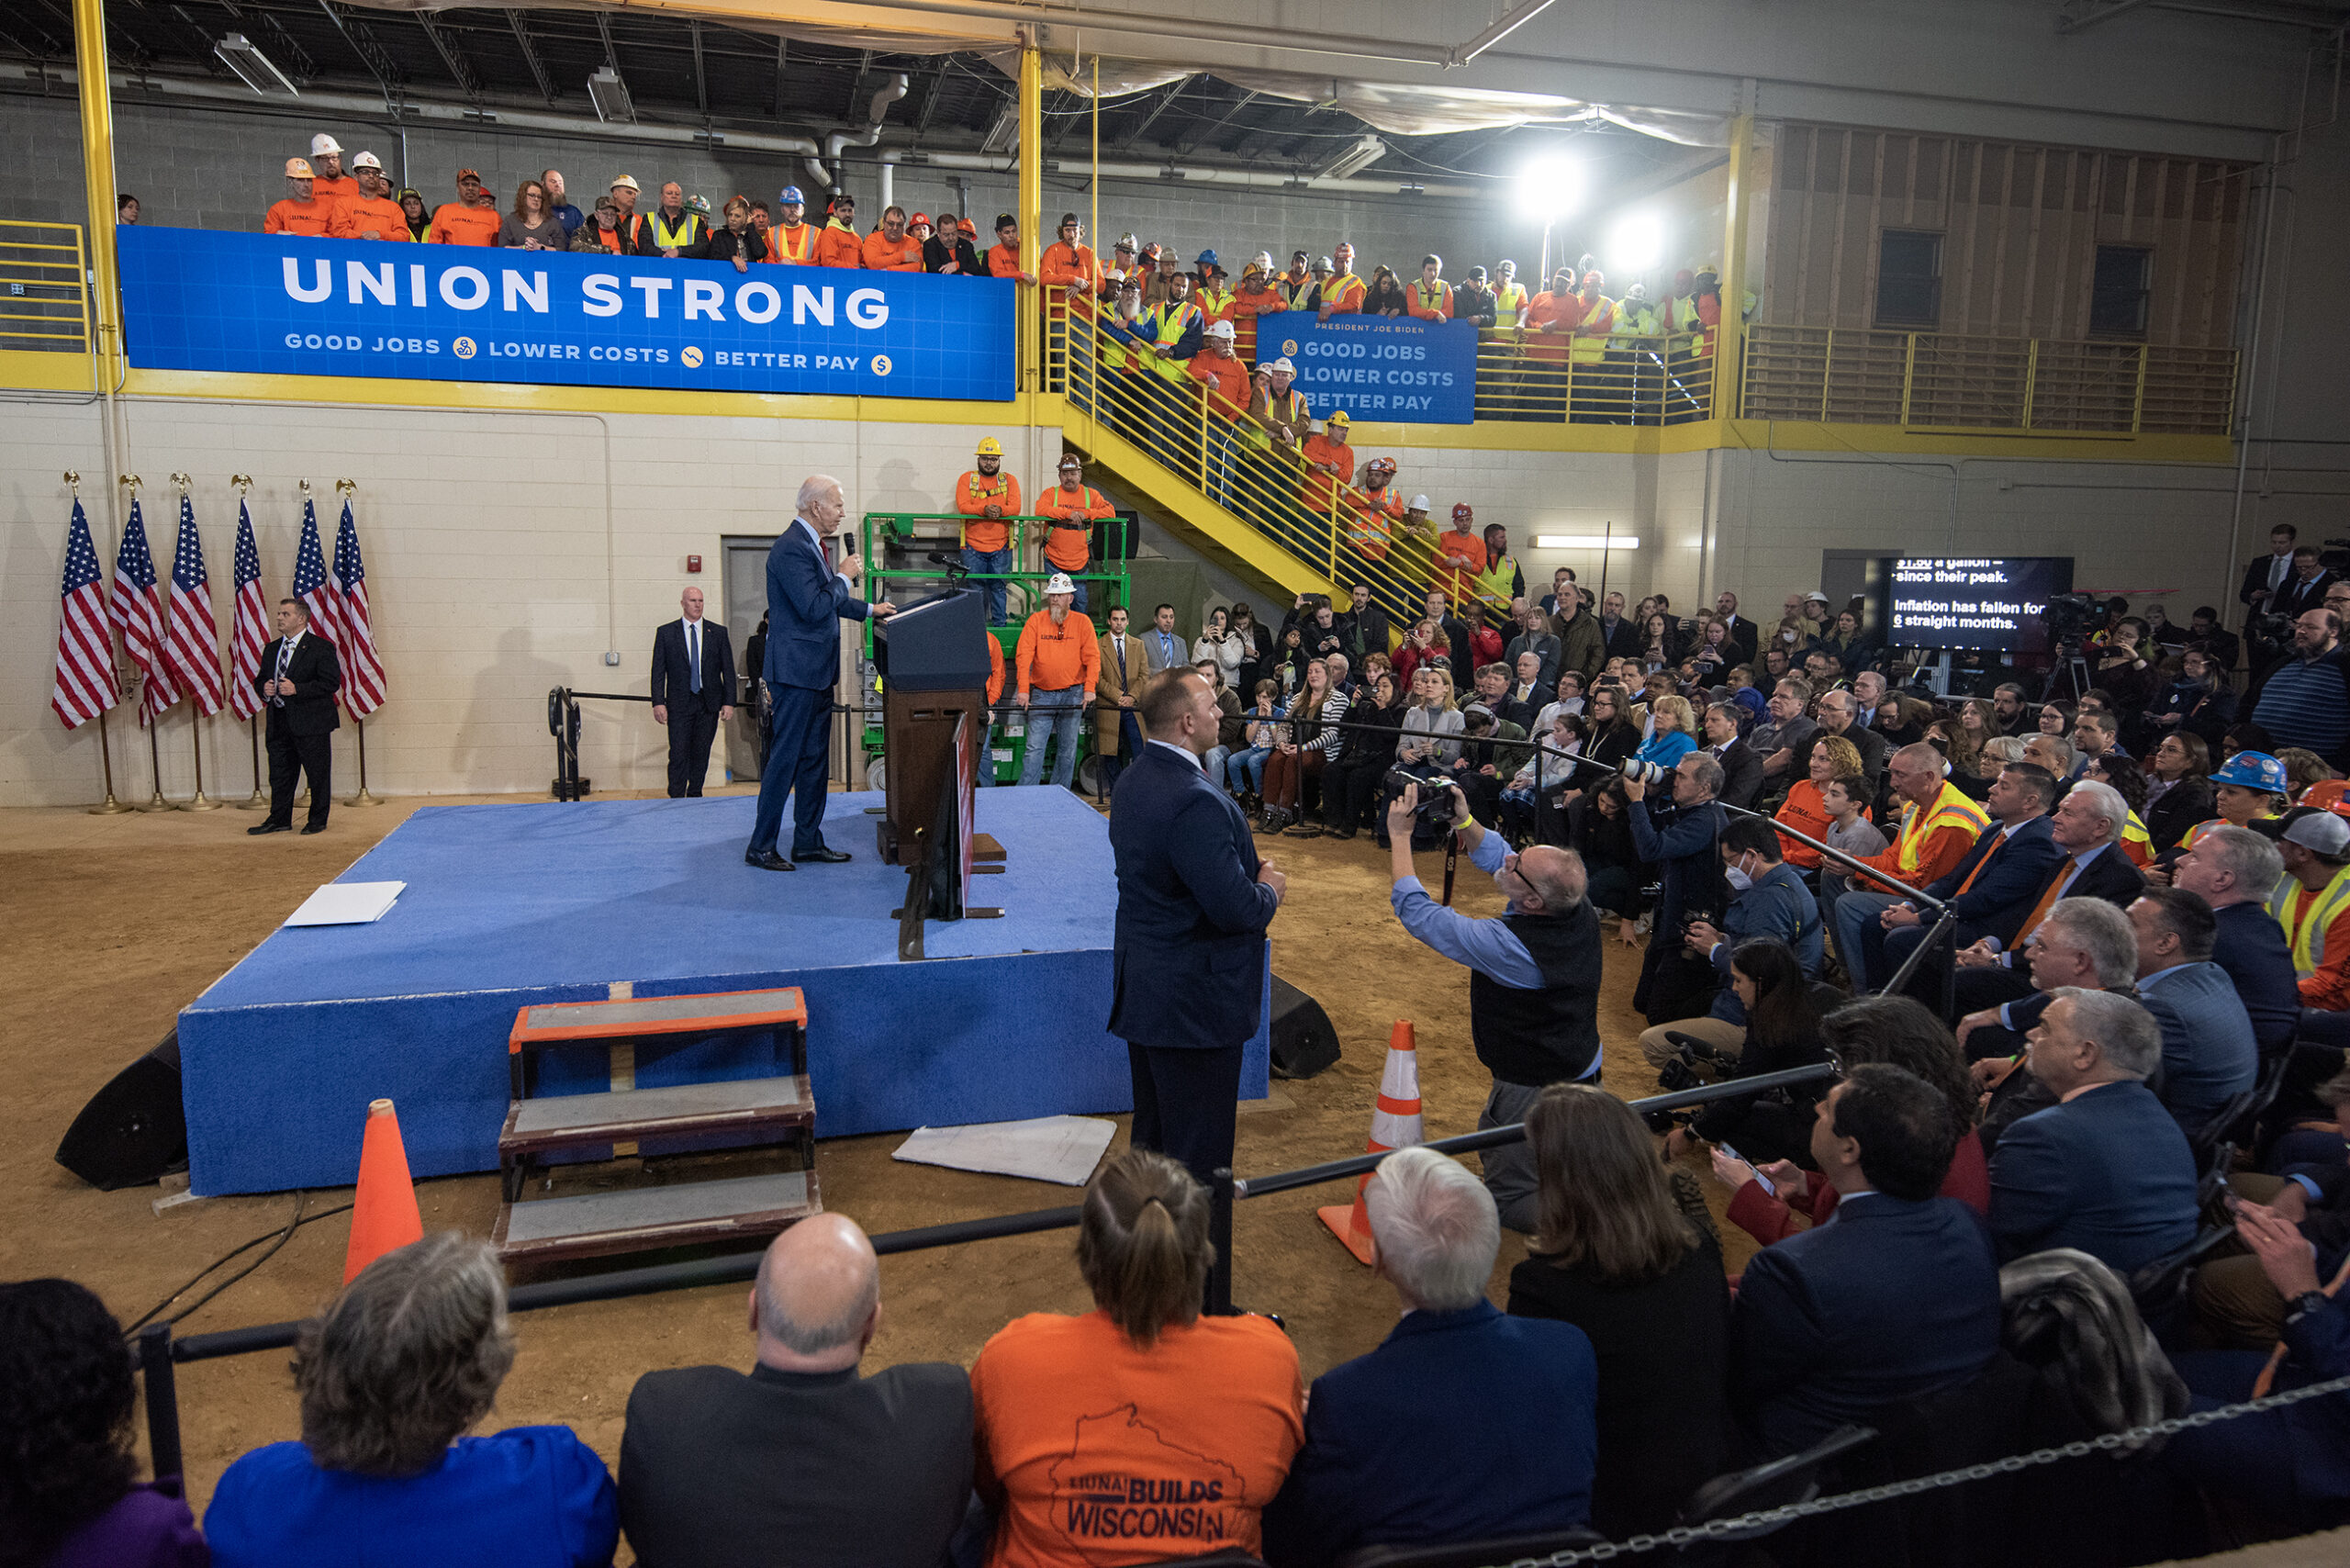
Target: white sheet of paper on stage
[[1048, 1149], [347, 903]]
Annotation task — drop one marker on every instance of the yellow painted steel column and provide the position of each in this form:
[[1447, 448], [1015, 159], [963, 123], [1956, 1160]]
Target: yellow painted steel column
[[1730, 353], [97, 177], [1032, 207]]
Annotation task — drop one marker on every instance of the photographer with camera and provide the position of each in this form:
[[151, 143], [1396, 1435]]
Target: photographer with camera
[[1534, 980], [1681, 843]]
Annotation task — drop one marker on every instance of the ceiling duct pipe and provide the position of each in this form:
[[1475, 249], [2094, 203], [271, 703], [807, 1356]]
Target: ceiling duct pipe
[[840, 140]]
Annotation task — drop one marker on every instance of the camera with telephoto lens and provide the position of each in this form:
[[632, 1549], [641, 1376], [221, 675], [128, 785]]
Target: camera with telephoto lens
[[1436, 791], [1639, 772], [2069, 616]]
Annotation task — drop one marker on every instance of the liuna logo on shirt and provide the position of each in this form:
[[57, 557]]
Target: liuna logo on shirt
[[1122, 1483]]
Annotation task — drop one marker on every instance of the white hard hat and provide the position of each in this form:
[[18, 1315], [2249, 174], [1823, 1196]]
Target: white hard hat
[[1060, 584], [1219, 329], [1284, 366], [323, 143], [1419, 503], [368, 161]]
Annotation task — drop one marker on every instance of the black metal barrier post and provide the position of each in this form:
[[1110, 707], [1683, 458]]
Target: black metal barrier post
[[158, 1350], [161, 1385]]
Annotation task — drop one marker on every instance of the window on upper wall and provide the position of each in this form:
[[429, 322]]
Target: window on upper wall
[[2120, 290], [1909, 279]]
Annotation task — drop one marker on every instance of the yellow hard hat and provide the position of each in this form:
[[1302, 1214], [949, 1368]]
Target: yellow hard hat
[[1339, 418], [989, 447]]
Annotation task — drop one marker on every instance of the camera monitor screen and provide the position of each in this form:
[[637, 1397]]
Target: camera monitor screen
[[1996, 603]]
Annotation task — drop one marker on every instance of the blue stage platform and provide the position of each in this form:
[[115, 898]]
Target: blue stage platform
[[508, 905]]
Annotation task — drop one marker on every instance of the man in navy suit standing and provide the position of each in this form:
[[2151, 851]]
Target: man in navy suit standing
[[807, 599], [1895, 1297], [1188, 957], [693, 690]]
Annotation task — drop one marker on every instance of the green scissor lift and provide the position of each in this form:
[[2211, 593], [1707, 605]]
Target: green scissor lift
[[898, 545]]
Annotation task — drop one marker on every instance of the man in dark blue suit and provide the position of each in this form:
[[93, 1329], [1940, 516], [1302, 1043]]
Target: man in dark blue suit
[[1188, 957], [693, 690], [2104, 1169], [806, 599], [2208, 1055], [1895, 1299], [1529, 1387], [1991, 889], [2234, 869]]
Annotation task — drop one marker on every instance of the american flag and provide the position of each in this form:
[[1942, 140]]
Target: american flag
[[193, 650], [311, 584], [136, 609], [85, 687], [250, 631], [363, 687]]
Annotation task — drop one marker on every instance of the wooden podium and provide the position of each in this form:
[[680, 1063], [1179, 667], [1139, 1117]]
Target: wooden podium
[[935, 738]]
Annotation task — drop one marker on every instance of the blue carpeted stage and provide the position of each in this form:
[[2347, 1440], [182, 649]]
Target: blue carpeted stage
[[512, 904]]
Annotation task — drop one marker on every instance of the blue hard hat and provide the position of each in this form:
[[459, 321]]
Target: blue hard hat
[[791, 197], [2254, 771], [1207, 259]]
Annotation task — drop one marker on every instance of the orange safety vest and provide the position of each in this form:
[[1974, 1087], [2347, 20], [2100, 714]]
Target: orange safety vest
[[1370, 528], [1070, 548], [1432, 304], [792, 247], [975, 490]]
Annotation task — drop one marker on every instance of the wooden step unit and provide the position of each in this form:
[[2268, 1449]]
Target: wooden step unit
[[750, 1112]]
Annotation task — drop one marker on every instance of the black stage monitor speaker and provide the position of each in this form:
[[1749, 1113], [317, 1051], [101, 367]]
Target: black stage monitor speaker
[[134, 1130], [1304, 1042]]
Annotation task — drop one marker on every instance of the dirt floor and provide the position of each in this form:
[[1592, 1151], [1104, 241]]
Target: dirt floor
[[113, 924]]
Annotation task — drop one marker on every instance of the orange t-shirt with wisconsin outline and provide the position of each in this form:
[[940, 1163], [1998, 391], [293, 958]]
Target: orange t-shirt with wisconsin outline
[[1096, 1450]]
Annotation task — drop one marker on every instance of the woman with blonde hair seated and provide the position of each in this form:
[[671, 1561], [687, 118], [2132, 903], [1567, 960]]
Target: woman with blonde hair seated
[[1141, 1431], [410, 1355]]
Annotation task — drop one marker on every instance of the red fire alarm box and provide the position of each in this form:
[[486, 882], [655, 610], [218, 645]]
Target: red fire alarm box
[[693, 562]]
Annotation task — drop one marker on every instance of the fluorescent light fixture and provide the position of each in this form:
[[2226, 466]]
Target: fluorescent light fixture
[[1637, 244], [1586, 542], [1552, 187], [253, 67], [610, 94], [1366, 151]]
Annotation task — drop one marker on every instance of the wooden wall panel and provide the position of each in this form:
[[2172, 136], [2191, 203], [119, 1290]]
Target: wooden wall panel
[[2020, 225]]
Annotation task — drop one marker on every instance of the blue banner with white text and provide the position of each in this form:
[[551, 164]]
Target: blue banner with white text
[[281, 305], [1379, 367]]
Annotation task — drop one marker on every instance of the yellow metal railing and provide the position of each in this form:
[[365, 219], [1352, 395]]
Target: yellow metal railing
[[44, 300], [1336, 530], [1947, 381], [1528, 376]]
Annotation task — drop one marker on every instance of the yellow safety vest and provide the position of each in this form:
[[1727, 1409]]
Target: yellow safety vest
[[1497, 580], [781, 241], [666, 238], [1166, 322], [2134, 835], [1948, 807], [2306, 917], [2200, 829], [1212, 302], [1591, 346], [1509, 304]]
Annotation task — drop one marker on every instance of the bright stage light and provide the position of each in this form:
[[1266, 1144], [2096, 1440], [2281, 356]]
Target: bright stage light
[[1551, 187], [1636, 245]]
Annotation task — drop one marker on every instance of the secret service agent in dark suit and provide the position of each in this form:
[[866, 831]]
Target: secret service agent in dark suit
[[693, 690], [298, 677], [1188, 957], [801, 1463], [806, 599], [1895, 1297]]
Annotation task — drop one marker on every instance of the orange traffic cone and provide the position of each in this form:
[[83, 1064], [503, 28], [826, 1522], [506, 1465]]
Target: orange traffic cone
[[1394, 1124], [385, 1216]]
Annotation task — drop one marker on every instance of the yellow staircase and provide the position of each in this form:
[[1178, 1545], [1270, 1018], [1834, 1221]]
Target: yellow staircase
[[1207, 472]]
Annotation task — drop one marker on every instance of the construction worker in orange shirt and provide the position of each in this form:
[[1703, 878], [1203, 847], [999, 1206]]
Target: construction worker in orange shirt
[[471, 219], [1460, 557], [1375, 511], [1329, 463], [300, 212], [988, 495], [1004, 256], [1057, 665], [1068, 270], [1430, 299], [839, 244], [791, 238], [328, 182], [372, 214], [1224, 383], [890, 248], [1071, 510], [1342, 292]]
